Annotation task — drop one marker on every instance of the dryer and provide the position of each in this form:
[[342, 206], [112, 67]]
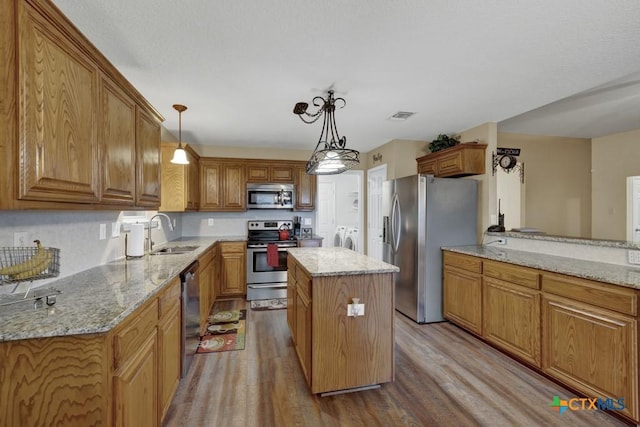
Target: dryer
[[338, 240], [351, 239]]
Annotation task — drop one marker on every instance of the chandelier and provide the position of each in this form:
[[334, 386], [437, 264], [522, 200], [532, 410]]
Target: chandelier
[[180, 156], [330, 156]]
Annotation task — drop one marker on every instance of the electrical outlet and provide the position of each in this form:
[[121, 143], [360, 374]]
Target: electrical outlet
[[634, 257], [115, 229], [103, 231], [21, 238], [210, 222], [501, 241]]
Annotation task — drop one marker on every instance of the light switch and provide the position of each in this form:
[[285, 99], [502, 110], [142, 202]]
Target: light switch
[[103, 231], [115, 229], [210, 222]]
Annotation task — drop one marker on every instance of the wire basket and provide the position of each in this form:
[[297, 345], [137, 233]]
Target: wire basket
[[21, 264]]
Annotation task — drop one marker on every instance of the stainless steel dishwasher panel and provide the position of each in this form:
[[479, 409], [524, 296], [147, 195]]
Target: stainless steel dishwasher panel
[[190, 315]]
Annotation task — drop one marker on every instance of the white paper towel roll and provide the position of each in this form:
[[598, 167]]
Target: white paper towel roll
[[136, 240]]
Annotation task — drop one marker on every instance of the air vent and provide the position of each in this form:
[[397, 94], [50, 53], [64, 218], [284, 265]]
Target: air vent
[[401, 115]]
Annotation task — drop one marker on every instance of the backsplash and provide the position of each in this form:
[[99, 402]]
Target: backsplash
[[233, 223], [76, 234]]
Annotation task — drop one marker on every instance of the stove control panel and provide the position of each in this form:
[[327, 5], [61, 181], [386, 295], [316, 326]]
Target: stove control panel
[[268, 225]]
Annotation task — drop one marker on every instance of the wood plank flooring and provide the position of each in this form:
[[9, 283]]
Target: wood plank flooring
[[444, 377]]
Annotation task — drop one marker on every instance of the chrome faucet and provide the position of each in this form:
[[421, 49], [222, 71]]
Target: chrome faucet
[[150, 242]]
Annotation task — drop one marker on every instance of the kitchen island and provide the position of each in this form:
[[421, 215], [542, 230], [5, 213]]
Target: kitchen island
[[340, 308]]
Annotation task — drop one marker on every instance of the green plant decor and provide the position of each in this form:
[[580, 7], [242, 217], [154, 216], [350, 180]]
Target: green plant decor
[[443, 141]]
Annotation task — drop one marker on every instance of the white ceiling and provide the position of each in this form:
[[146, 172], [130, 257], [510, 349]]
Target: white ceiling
[[240, 66]]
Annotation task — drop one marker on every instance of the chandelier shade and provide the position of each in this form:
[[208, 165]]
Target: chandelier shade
[[330, 156], [180, 155]]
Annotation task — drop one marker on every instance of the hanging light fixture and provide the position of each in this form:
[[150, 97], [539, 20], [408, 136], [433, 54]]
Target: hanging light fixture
[[180, 156], [330, 156]]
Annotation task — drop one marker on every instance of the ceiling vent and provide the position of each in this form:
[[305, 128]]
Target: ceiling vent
[[401, 115]]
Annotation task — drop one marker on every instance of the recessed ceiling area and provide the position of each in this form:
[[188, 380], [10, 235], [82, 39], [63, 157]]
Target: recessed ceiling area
[[241, 66]]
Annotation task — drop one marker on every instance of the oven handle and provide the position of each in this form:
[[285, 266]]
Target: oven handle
[[267, 286]]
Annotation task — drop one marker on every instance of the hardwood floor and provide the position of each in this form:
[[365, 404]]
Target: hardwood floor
[[444, 377]]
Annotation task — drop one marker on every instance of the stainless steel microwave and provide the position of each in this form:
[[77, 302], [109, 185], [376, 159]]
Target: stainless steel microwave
[[270, 196]]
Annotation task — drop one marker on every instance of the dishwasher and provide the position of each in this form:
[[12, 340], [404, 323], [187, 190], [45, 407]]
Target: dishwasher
[[190, 315]]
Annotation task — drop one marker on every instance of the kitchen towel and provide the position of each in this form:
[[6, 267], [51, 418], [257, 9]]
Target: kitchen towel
[[135, 244], [272, 255]]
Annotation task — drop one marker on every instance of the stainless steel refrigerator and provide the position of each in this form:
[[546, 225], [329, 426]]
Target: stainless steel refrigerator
[[420, 215]]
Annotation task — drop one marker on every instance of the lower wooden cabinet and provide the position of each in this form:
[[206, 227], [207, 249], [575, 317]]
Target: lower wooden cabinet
[[233, 273], [511, 319], [462, 298], [169, 345], [592, 350], [581, 332]]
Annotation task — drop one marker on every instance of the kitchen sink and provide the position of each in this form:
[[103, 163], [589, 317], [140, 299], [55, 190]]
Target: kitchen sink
[[174, 250]]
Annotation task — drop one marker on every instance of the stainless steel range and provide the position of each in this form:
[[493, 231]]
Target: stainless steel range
[[265, 281]]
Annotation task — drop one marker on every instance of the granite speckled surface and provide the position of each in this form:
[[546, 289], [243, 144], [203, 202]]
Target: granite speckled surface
[[338, 262], [562, 239], [603, 272], [96, 300]]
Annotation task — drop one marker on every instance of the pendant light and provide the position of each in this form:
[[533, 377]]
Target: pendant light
[[330, 156], [180, 156]]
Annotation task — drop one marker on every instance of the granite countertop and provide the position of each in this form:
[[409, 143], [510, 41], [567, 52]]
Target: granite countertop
[[338, 262], [603, 272], [96, 300]]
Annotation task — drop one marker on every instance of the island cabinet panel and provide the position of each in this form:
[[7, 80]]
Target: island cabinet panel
[[50, 381], [351, 351], [511, 319], [117, 144], [58, 92], [592, 350]]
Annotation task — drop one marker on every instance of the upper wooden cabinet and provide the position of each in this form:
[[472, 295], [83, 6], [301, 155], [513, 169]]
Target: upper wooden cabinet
[[117, 125], [260, 171], [305, 189], [222, 185], [460, 160], [73, 131], [180, 183]]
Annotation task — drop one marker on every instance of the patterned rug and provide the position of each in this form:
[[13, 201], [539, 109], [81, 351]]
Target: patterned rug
[[269, 304], [225, 331]]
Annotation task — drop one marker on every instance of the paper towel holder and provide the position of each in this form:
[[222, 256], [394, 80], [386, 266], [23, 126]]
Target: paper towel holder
[[126, 249]]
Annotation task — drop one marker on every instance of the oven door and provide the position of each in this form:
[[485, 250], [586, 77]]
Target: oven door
[[263, 280]]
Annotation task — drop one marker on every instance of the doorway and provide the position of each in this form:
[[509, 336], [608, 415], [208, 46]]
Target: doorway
[[340, 207], [375, 177]]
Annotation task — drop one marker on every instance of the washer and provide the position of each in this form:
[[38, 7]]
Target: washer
[[351, 239], [338, 240]]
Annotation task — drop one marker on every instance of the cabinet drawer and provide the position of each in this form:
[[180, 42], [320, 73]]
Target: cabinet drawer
[[304, 282], [465, 262], [617, 298], [229, 247], [170, 298], [130, 338], [512, 273]]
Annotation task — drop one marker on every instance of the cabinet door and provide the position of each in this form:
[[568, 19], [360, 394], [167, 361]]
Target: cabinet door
[[148, 155], [170, 358], [232, 268], [305, 190], [234, 188], [462, 299], [210, 185], [193, 183], [135, 388], [58, 92], [303, 334], [512, 319], [117, 144], [591, 349]]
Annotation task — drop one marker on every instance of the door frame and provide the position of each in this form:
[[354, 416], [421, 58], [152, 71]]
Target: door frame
[[376, 169]]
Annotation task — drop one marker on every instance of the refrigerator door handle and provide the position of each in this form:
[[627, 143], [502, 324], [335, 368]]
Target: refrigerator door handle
[[385, 229], [395, 221]]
